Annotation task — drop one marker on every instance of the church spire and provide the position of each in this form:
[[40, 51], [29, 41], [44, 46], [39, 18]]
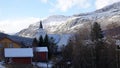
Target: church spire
[[41, 25]]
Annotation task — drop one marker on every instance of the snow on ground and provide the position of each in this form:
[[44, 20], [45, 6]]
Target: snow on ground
[[1, 65], [117, 42], [64, 39], [56, 37], [43, 64], [60, 39]]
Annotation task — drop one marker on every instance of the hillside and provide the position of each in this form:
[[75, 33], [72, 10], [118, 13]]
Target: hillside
[[58, 24]]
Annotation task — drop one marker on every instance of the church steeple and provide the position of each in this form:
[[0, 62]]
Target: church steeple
[[40, 31], [41, 25]]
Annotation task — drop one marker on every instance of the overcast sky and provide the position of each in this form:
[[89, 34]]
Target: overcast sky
[[18, 14]]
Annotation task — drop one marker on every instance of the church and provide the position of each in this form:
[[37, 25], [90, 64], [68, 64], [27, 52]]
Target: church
[[39, 48]]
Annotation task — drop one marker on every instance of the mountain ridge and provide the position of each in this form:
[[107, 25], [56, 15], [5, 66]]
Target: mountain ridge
[[60, 24]]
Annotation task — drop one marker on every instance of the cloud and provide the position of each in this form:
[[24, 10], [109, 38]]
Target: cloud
[[13, 26], [64, 5], [102, 3]]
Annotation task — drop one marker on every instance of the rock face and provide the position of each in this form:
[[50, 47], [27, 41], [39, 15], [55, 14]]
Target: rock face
[[67, 24]]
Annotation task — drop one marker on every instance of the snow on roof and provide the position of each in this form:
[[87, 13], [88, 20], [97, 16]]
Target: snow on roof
[[18, 52], [41, 49]]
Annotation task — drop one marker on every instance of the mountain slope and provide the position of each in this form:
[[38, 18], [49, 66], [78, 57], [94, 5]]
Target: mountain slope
[[49, 24], [61, 25]]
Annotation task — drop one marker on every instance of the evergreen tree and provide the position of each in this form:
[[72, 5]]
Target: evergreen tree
[[52, 41], [97, 38], [41, 41], [46, 40], [35, 42], [51, 47], [96, 32]]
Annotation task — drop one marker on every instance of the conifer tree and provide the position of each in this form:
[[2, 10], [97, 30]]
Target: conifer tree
[[96, 32], [35, 42], [97, 38], [51, 47], [46, 40], [41, 41]]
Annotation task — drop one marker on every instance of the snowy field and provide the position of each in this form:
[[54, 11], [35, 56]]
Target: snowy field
[[1, 65], [43, 64]]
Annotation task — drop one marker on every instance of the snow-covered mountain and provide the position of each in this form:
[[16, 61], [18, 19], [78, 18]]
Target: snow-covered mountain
[[50, 25], [67, 24], [61, 25]]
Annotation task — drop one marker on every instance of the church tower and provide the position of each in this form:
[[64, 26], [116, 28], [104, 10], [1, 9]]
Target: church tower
[[40, 31], [41, 26]]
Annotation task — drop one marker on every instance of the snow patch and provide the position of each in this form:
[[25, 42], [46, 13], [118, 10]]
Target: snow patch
[[44, 65]]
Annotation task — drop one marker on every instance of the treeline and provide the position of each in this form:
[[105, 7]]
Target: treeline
[[90, 48]]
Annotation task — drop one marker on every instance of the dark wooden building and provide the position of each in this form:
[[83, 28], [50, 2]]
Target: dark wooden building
[[41, 54], [19, 55]]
